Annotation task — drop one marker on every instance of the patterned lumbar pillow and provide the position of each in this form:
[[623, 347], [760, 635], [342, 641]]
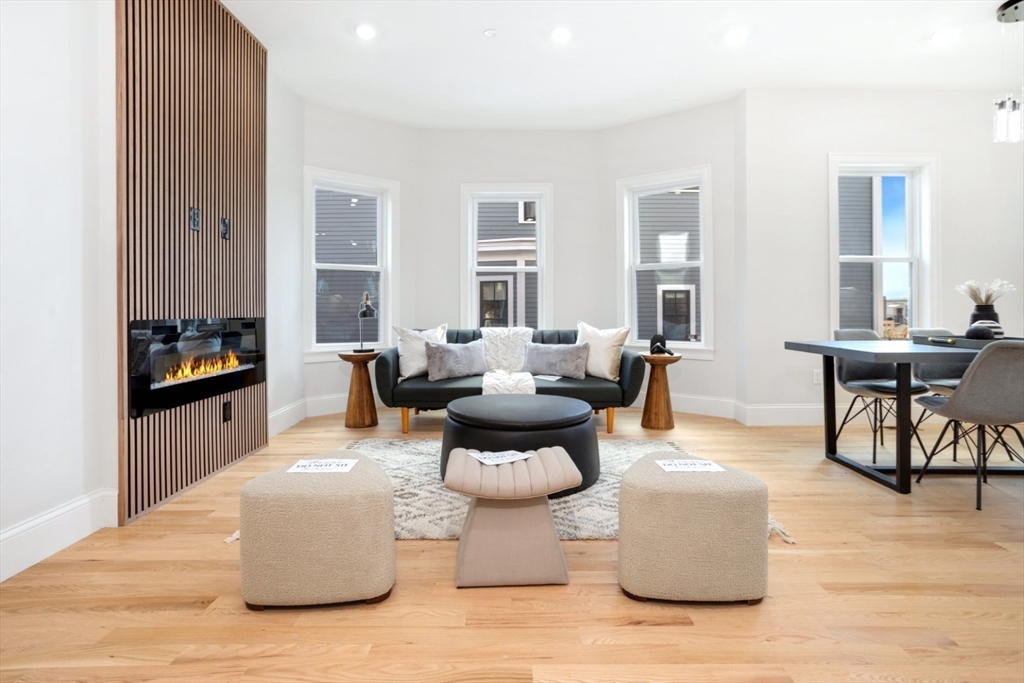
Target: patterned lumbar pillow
[[446, 361], [562, 360], [412, 351], [605, 349]]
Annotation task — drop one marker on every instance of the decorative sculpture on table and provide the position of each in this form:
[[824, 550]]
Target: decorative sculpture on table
[[366, 310]]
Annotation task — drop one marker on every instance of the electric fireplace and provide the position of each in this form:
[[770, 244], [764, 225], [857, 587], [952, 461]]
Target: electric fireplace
[[175, 362]]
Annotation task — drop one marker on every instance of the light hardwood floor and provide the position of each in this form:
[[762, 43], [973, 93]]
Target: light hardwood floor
[[879, 587]]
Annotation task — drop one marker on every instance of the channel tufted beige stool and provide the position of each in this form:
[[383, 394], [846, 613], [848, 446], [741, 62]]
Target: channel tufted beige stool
[[509, 537], [318, 538], [692, 536]]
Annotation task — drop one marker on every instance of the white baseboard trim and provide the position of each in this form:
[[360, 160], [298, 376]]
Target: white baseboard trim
[[26, 543], [756, 415], [779, 414], [283, 418], [331, 404], [712, 406], [328, 404]]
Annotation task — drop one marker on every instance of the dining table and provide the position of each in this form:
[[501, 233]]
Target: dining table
[[903, 353]]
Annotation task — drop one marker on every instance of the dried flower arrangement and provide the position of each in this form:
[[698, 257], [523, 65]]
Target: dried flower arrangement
[[986, 294]]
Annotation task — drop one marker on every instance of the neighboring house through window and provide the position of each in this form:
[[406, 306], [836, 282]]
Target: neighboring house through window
[[665, 227], [881, 241], [504, 247], [349, 223]]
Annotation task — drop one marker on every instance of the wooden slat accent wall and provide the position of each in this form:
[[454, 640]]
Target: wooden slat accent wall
[[192, 133]]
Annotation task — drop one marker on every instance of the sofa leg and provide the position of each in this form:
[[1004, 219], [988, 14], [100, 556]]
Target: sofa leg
[[405, 420], [610, 412], [415, 411]]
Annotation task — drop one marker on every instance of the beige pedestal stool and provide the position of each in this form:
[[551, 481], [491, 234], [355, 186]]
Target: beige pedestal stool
[[692, 536], [318, 538], [509, 537]]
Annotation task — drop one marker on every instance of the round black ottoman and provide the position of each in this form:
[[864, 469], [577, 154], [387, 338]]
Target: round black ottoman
[[524, 422]]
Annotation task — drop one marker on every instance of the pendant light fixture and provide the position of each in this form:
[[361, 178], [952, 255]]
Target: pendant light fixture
[[1007, 123]]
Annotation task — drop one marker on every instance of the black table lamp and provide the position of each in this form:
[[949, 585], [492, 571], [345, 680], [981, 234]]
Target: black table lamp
[[366, 310]]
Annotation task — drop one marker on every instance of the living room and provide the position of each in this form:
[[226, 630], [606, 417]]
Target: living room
[[575, 114]]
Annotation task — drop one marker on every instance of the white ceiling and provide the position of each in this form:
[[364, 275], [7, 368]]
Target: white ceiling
[[430, 65]]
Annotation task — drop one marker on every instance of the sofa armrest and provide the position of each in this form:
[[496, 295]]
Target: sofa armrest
[[386, 369], [631, 376]]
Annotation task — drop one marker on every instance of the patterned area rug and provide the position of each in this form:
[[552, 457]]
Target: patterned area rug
[[424, 508]]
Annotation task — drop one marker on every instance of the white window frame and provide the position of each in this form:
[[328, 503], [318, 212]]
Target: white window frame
[[922, 172], [388, 196], [661, 303], [628, 190], [471, 195]]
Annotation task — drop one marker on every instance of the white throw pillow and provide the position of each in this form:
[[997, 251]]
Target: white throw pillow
[[505, 347], [605, 349], [412, 349]]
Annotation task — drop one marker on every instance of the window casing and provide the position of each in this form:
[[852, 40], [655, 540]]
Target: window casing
[[665, 251], [883, 225], [349, 250], [505, 250]]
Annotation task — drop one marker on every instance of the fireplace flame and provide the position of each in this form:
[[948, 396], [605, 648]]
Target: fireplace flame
[[197, 367]]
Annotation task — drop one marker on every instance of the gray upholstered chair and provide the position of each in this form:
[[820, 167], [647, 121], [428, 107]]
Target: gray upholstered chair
[[941, 378], [991, 396], [874, 386]]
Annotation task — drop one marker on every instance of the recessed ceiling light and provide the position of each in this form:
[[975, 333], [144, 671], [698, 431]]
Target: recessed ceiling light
[[561, 35], [736, 36], [945, 37], [490, 33], [366, 31]]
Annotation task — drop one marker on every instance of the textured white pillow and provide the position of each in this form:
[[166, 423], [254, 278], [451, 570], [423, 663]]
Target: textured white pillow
[[605, 349], [412, 349]]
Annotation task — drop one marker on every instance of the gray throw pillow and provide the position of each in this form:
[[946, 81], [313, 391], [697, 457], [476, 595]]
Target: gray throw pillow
[[446, 361], [564, 360]]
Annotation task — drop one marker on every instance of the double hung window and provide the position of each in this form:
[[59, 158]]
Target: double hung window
[[666, 225], [349, 220], [504, 242]]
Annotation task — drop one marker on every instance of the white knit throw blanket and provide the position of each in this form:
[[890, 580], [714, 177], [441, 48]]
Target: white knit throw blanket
[[502, 382]]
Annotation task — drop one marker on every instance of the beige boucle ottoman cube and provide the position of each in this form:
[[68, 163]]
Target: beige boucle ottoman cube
[[318, 538], [692, 536]]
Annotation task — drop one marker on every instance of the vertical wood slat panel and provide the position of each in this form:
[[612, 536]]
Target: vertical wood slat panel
[[192, 106]]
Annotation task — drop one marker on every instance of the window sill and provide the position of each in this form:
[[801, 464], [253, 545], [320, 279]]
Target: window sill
[[331, 355], [686, 353]]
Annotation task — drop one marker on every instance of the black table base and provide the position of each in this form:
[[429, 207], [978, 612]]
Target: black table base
[[903, 469]]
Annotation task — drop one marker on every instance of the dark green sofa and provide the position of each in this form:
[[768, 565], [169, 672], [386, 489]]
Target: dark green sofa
[[420, 393]]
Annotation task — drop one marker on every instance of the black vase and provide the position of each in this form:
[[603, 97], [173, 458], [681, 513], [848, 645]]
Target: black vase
[[984, 312]]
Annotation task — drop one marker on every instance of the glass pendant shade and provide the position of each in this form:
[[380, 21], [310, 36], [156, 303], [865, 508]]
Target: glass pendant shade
[[1007, 122]]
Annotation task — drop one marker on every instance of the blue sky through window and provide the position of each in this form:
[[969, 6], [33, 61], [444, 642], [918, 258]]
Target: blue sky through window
[[895, 276]]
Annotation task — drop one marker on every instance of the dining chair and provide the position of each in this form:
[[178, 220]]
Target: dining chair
[[991, 397], [942, 378], [874, 386]]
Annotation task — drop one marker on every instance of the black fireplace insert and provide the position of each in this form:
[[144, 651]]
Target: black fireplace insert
[[178, 361]]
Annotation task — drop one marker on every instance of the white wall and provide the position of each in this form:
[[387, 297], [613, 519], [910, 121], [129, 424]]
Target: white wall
[[704, 135], [58, 344], [789, 134], [768, 154], [565, 159], [352, 144], [286, 388]]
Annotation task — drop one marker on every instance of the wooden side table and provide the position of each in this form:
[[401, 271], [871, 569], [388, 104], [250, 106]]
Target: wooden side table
[[361, 411], [658, 404]]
